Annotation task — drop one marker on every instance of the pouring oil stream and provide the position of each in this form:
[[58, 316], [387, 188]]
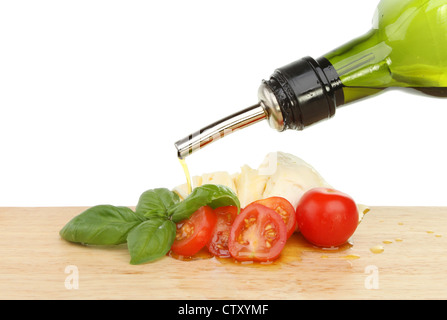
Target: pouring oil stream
[[187, 175]]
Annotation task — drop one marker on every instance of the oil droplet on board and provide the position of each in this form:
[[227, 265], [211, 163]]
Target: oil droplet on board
[[398, 239], [387, 241], [351, 257], [430, 231], [377, 249], [438, 235]]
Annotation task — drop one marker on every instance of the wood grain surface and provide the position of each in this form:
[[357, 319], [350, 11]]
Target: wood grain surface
[[35, 263]]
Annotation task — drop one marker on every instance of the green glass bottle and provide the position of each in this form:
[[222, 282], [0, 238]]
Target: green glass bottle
[[406, 48]]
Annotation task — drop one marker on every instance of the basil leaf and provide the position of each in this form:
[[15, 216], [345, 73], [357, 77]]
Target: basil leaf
[[155, 202], [101, 225], [150, 240], [207, 195]]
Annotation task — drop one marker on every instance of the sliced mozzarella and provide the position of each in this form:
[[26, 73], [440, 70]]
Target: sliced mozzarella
[[250, 185]]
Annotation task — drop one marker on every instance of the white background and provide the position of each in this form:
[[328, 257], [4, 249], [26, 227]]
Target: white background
[[93, 95]]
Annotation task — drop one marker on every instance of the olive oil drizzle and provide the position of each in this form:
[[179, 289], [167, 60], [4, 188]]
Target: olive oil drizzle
[[186, 171]]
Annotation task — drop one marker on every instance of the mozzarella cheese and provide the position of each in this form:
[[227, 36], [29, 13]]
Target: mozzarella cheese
[[250, 185], [280, 174], [222, 178], [290, 177], [217, 178]]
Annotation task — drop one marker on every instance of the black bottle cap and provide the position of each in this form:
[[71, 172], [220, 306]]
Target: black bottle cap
[[307, 91]]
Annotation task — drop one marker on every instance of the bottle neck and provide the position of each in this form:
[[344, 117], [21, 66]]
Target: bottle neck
[[363, 66]]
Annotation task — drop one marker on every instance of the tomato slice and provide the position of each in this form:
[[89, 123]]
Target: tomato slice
[[258, 234], [218, 244], [194, 233], [285, 209]]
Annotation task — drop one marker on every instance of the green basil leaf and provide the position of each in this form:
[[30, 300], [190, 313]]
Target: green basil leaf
[[101, 225], [155, 202], [150, 240], [207, 195]]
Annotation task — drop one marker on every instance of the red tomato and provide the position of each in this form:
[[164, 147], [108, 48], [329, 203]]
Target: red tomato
[[327, 217], [218, 244], [194, 233], [258, 234], [285, 209]]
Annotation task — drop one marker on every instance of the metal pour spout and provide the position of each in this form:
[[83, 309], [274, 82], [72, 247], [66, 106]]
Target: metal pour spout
[[267, 108]]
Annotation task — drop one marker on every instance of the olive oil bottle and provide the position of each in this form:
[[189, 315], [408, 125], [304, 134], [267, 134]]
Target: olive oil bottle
[[406, 48]]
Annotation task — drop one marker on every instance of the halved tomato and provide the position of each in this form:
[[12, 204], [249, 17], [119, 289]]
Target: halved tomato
[[194, 233], [218, 244], [258, 234], [285, 209]]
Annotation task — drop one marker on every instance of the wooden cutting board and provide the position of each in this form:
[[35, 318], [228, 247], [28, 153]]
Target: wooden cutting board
[[35, 263]]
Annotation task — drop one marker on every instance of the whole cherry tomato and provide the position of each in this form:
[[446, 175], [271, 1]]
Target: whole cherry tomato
[[327, 217]]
